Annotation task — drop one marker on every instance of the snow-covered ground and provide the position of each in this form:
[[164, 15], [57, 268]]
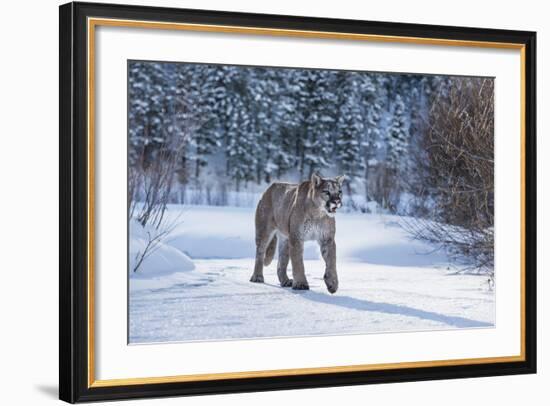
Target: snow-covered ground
[[195, 286]]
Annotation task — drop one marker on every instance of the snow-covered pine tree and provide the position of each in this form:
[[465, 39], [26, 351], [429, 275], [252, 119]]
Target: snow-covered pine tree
[[242, 147], [296, 110], [373, 96], [206, 93], [320, 120], [157, 114], [147, 87], [372, 99], [350, 129], [265, 91], [289, 128], [397, 136]]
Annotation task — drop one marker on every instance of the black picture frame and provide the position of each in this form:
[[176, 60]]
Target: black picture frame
[[74, 199]]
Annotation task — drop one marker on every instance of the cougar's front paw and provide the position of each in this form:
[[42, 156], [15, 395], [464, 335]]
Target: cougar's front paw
[[257, 279], [332, 284], [300, 285]]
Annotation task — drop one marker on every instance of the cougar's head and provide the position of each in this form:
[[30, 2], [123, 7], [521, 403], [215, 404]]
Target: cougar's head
[[327, 192]]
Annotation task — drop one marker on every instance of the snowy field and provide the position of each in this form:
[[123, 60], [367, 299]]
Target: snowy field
[[195, 286]]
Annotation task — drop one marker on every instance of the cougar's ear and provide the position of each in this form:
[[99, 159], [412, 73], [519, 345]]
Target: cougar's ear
[[340, 179], [315, 179]]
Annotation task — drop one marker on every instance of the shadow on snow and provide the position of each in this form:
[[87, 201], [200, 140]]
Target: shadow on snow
[[388, 308]]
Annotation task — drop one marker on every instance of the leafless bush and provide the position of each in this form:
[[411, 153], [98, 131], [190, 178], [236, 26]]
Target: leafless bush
[[154, 181], [151, 179], [457, 161]]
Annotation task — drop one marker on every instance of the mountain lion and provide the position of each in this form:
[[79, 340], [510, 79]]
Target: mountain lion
[[292, 214]]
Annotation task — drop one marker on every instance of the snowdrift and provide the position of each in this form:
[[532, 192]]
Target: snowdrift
[[164, 259]]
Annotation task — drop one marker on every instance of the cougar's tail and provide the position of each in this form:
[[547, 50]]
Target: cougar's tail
[[270, 251]]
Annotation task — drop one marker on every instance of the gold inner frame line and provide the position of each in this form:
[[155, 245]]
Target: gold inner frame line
[[92, 23]]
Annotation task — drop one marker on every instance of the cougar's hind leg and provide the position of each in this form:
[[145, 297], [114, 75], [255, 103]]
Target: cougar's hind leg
[[282, 263]]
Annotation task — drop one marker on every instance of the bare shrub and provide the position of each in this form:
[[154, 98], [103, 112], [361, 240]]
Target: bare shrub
[[154, 183], [152, 177], [457, 160]]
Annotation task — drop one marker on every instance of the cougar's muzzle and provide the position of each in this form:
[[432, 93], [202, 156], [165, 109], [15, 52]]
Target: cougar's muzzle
[[333, 204]]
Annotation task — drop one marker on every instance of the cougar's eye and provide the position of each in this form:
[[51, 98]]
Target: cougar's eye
[[327, 193]]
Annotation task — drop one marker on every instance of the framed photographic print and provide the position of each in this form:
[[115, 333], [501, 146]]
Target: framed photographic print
[[257, 202]]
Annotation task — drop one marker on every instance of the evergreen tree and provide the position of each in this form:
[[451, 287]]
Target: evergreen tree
[[144, 108], [292, 104], [242, 147], [264, 89], [320, 120], [397, 137], [372, 99], [206, 94], [350, 128], [157, 119], [299, 89]]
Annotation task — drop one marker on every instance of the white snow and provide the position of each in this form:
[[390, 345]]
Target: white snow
[[388, 283], [164, 259]]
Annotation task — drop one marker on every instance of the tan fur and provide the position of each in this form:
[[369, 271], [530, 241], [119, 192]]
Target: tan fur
[[291, 214]]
